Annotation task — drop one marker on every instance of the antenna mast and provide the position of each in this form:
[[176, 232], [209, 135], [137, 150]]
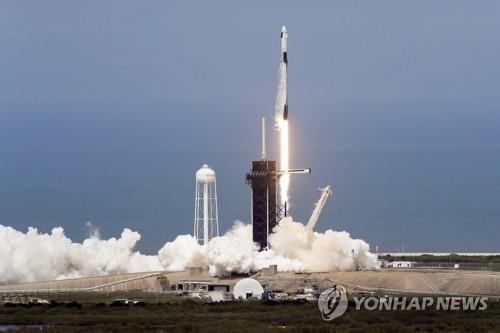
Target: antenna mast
[[263, 154]]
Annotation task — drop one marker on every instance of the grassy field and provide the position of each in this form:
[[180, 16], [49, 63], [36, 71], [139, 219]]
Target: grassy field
[[175, 314]]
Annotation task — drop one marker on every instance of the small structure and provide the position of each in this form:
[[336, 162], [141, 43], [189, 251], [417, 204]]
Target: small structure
[[200, 286], [274, 296], [270, 271], [305, 294], [400, 264], [206, 290]]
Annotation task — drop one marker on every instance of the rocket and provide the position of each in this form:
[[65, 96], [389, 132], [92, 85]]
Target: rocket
[[282, 98]]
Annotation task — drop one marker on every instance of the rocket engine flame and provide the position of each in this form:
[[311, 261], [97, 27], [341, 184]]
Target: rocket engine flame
[[281, 118], [284, 181]]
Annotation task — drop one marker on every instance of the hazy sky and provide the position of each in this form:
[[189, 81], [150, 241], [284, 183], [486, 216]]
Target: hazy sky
[[107, 108]]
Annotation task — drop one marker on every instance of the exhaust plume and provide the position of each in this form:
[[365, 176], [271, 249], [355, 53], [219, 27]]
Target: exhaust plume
[[35, 256]]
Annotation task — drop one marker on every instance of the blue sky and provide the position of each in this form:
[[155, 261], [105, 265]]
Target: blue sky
[[108, 108]]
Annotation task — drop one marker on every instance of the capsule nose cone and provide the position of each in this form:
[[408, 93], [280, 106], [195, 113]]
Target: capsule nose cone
[[283, 29]]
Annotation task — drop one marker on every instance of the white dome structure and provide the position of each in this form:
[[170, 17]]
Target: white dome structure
[[206, 220], [247, 288]]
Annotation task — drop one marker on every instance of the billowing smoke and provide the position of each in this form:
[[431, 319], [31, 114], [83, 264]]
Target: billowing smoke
[[35, 256]]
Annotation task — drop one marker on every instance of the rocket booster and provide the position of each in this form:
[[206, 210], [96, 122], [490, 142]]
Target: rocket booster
[[282, 98]]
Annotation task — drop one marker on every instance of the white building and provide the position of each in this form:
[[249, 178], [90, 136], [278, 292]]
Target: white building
[[400, 264]]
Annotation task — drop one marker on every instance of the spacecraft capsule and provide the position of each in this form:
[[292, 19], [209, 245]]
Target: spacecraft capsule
[[284, 46]]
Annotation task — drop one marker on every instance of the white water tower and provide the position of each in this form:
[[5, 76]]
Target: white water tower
[[206, 220]]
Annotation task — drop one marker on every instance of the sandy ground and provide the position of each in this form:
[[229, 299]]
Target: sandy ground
[[421, 281]]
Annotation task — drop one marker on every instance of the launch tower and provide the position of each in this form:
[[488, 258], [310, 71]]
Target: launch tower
[[263, 178]]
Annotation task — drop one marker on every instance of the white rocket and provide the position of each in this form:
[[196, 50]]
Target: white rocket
[[284, 46], [282, 98]]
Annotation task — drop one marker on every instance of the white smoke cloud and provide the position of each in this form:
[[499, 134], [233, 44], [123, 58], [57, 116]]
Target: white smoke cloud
[[331, 250], [35, 256], [183, 252]]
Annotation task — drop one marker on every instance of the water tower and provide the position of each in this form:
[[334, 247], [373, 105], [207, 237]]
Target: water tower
[[206, 221]]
